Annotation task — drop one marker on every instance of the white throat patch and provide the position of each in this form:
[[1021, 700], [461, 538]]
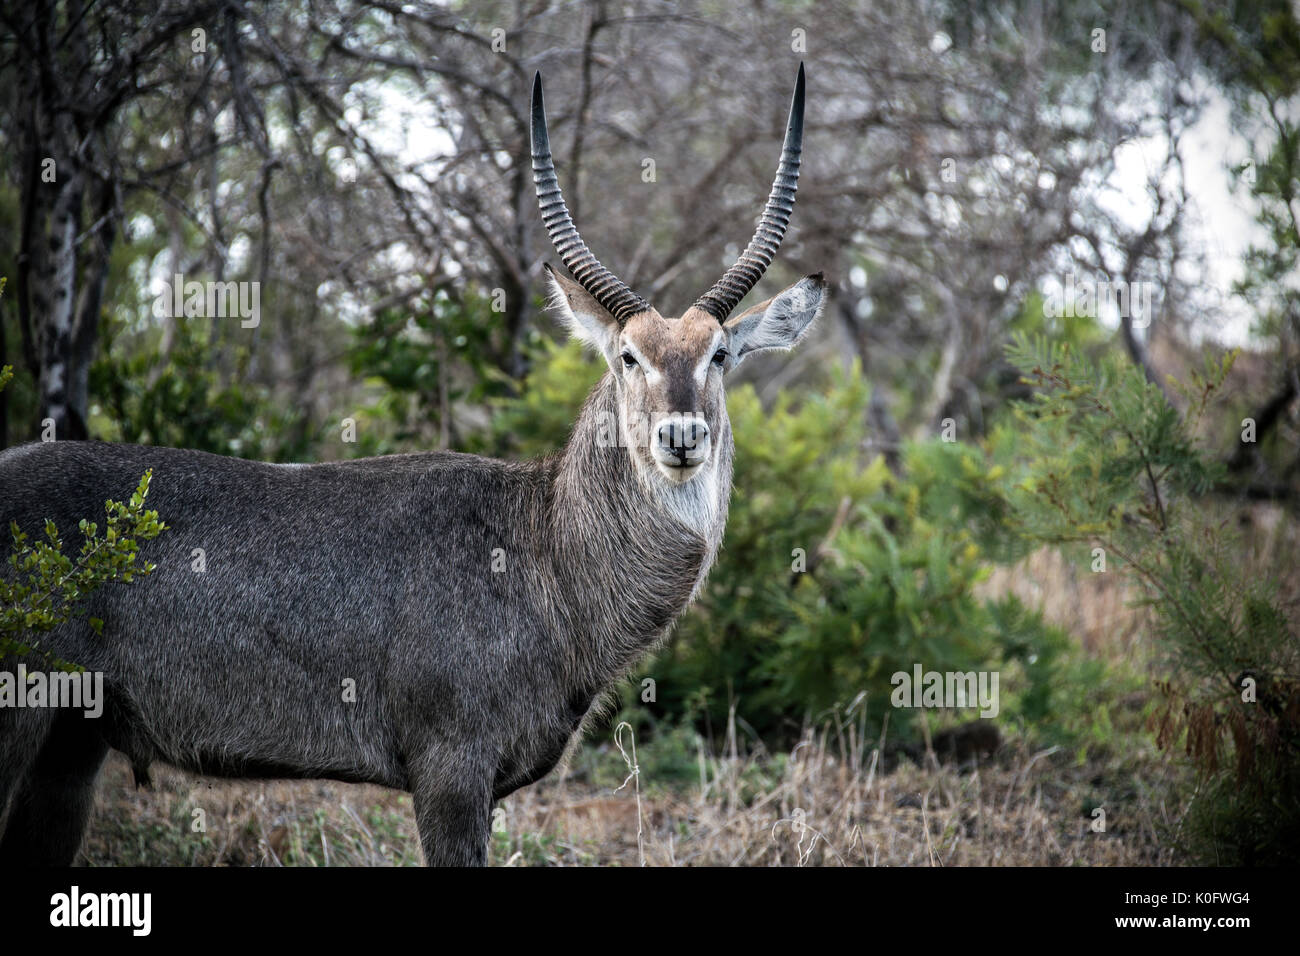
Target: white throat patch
[[694, 503]]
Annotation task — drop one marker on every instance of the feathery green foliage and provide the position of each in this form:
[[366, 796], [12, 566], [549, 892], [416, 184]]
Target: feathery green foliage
[[1115, 467]]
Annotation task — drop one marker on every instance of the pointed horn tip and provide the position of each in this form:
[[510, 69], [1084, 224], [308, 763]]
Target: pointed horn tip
[[797, 103], [537, 110]]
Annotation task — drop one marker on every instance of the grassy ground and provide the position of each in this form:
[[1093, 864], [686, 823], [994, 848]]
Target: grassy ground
[[828, 802], [809, 808]]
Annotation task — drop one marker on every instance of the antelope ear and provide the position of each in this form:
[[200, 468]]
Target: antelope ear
[[779, 322], [587, 320]]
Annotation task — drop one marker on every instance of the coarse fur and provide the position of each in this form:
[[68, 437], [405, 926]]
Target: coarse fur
[[478, 607]]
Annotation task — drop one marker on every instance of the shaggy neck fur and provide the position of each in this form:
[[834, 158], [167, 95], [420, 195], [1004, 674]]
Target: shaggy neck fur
[[629, 549]]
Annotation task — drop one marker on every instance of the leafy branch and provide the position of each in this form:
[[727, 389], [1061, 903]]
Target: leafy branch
[[48, 586]]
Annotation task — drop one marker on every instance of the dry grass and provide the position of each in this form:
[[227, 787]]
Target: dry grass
[[816, 806], [1020, 809]]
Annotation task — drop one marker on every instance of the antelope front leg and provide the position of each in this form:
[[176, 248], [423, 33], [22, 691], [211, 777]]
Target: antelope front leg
[[453, 811]]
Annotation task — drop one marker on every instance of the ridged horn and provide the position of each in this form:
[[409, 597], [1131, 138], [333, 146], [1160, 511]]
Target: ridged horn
[[605, 287], [753, 262]]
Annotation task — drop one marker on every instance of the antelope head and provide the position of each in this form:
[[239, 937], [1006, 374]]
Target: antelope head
[[669, 371]]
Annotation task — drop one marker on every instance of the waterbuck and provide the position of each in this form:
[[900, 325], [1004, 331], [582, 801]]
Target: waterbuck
[[476, 608]]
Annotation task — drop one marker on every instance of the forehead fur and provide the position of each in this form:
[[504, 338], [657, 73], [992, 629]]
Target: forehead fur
[[661, 340]]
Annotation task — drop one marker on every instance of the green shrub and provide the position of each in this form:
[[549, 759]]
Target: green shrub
[[1113, 466], [422, 358], [183, 400]]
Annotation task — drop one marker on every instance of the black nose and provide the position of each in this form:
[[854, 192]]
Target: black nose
[[684, 437]]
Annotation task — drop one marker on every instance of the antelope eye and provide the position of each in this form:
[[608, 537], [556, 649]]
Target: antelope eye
[[719, 356], [628, 360]]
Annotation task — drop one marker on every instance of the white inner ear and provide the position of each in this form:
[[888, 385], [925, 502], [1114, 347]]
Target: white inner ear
[[598, 332], [782, 323]]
